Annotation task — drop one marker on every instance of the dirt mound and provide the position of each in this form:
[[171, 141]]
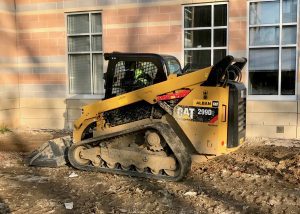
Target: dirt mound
[[260, 177]]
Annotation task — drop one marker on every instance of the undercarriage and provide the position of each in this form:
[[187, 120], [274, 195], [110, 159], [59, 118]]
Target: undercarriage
[[151, 151]]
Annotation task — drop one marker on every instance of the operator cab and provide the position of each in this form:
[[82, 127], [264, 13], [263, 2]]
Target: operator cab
[[127, 72]]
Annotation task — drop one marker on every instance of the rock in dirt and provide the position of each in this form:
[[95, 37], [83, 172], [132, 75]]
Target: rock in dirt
[[73, 175], [138, 190], [69, 205], [190, 194]]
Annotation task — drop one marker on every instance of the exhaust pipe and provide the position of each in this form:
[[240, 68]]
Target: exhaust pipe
[[53, 153]]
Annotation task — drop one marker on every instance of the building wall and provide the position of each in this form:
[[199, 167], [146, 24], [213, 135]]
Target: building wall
[[129, 26], [263, 117], [42, 64], [9, 91]]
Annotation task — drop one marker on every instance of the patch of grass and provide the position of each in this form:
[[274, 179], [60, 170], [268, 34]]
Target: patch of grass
[[4, 129]]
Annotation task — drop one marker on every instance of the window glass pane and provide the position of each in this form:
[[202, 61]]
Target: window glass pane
[[78, 23], [98, 73], [263, 82], [96, 22], [97, 43], [264, 36], [80, 74], [197, 38], [264, 59], [289, 35], [199, 16], [188, 17], [220, 15], [219, 54], [263, 71], [288, 71], [288, 82], [264, 12], [79, 43], [198, 58], [288, 59], [220, 37], [289, 11]]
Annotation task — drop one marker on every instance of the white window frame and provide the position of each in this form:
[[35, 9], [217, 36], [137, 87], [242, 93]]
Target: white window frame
[[212, 28], [91, 52], [279, 96]]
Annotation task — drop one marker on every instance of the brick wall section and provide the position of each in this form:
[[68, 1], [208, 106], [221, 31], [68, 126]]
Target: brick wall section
[[9, 93], [41, 56], [128, 25], [39, 46], [298, 83], [152, 29], [42, 50], [142, 31], [237, 25]]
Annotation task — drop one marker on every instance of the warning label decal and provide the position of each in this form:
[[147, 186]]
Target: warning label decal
[[206, 103]]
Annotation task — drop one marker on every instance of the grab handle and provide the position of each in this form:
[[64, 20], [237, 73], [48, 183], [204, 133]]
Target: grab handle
[[224, 114]]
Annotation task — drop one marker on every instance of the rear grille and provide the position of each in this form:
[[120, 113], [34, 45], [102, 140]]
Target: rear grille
[[236, 115]]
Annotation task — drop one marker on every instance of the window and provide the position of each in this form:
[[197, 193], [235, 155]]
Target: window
[[205, 34], [173, 65], [272, 47], [85, 56]]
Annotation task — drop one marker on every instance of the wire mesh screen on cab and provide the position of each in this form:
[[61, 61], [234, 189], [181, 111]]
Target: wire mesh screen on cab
[[132, 75]]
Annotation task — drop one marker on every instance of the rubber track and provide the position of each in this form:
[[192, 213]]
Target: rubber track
[[179, 150]]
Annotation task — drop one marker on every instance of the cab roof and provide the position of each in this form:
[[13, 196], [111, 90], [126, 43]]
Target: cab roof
[[115, 55]]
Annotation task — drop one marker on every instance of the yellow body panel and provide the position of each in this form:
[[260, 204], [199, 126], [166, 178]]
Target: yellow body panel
[[207, 138], [91, 112]]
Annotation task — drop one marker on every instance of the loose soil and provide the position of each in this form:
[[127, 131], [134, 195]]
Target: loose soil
[[263, 176]]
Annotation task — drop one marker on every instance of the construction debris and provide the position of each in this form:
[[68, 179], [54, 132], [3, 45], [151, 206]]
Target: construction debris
[[69, 205], [190, 194], [73, 175]]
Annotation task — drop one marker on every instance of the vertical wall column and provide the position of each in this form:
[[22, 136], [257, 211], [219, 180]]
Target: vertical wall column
[[9, 78], [42, 64]]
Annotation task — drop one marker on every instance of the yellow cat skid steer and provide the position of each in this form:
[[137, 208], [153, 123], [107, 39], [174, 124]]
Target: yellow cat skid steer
[[155, 129]]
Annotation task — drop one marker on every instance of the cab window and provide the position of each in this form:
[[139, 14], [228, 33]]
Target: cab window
[[173, 66]]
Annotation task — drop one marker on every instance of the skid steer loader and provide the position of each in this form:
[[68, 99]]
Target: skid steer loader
[[155, 118]]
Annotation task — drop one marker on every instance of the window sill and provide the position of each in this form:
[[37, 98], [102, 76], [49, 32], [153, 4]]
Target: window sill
[[85, 97], [271, 98]]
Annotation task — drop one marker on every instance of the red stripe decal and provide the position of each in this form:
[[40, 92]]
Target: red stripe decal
[[215, 118], [172, 96]]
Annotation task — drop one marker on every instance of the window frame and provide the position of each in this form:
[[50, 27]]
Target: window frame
[[212, 28], [279, 96], [90, 53]]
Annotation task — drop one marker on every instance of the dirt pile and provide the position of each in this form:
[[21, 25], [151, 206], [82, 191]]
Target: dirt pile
[[261, 177]]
